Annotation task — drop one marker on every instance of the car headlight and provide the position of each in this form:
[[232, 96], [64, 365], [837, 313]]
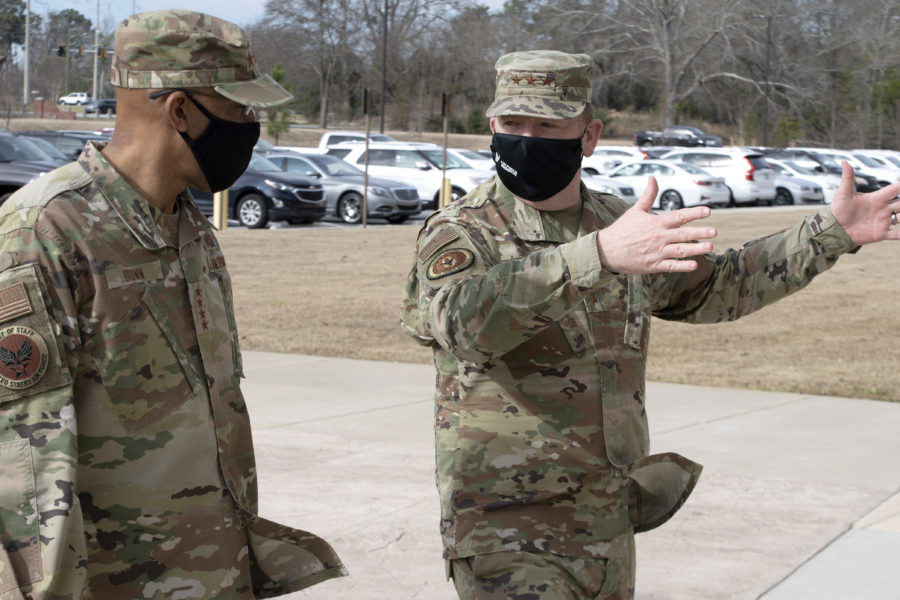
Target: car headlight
[[281, 187], [378, 191]]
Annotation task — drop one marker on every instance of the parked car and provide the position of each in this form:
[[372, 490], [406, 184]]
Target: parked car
[[676, 135], [864, 164], [69, 142], [823, 163], [474, 159], [75, 98], [747, 175], [607, 158], [789, 175], [265, 193], [344, 186], [418, 165], [887, 158], [47, 148], [101, 107], [19, 164], [680, 184], [19, 150], [609, 186]]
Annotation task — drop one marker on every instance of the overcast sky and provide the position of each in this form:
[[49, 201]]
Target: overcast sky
[[242, 12]]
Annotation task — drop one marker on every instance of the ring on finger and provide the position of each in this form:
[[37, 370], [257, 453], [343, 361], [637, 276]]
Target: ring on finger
[[894, 218]]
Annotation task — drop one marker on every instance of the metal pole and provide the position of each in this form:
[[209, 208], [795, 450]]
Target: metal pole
[[365, 203], [25, 91], [384, 62], [96, 46], [765, 139]]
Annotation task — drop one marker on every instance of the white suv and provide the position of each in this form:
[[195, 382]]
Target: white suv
[[748, 176], [75, 98], [418, 165]]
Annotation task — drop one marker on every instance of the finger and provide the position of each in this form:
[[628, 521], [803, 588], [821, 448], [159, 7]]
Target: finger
[[677, 266], [682, 216], [690, 234], [848, 180], [645, 202], [686, 250]]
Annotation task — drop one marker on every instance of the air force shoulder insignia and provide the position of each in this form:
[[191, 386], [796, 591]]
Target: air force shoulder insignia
[[449, 262], [23, 357]]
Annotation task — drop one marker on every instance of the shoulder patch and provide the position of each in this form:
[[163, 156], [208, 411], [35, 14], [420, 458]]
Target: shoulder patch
[[14, 302], [449, 262], [441, 239], [23, 357]]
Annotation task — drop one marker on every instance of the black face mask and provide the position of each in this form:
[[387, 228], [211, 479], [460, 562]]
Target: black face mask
[[533, 168], [223, 150]]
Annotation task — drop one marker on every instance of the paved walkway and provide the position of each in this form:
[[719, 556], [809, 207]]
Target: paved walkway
[[798, 499]]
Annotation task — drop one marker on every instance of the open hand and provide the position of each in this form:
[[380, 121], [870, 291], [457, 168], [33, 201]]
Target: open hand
[[865, 217], [641, 242]]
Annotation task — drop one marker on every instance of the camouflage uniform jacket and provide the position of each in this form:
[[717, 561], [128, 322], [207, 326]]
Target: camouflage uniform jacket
[[541, 431], [126, 461]]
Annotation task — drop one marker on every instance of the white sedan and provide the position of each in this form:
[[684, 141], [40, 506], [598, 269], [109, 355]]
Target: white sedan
[[680, 184]]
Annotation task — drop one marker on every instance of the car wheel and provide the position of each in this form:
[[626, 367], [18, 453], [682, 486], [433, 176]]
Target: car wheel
[[397, 219], [783, 197], [252, 211], [670, 200], [349, 208]]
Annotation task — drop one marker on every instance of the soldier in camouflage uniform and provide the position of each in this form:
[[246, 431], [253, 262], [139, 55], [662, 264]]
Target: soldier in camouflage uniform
[[535, 295], [126, 460]]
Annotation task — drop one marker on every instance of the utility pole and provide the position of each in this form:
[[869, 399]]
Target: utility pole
[[96, 46], [26, 93], [765, 139], [384, 62]]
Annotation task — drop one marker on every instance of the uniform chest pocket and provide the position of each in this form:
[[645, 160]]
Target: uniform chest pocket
[[542, 352], [621, 310], [143, 369]]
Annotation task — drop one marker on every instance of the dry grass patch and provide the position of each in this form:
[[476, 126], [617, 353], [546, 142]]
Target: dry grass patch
[[336, 292]]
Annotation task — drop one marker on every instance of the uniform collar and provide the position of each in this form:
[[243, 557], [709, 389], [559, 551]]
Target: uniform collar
[[133, 209], [531, 223]]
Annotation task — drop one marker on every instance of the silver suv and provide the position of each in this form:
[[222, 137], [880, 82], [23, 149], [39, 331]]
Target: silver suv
[[748, 176]]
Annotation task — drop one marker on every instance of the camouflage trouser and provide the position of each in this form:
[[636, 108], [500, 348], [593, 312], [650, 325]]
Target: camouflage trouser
[[534, 576]]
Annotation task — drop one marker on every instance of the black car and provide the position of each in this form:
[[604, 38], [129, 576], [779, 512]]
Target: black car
[[101, 107], [20, 162], [70, 143], [265, 193]]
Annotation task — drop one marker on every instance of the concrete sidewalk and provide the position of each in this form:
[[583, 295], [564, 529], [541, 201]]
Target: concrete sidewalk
[[798, 498]]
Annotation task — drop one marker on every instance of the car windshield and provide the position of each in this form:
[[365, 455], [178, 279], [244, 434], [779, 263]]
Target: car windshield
[[380, 137], [262, 144], [13, 148], [435, 157], [48, 148], [333, 166], [800, 168], [868, 161], [261, 163]]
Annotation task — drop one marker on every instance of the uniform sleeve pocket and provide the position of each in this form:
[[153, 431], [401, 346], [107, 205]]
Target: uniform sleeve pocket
[[20, 551]]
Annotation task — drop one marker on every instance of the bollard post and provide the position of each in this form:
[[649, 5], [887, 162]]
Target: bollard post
[[220, 210]]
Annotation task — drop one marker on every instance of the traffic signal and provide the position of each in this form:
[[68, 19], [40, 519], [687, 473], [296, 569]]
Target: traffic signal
[[61, 50]]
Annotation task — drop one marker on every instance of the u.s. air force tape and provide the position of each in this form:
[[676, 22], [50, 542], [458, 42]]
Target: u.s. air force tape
[[23, 357], [449, 262]]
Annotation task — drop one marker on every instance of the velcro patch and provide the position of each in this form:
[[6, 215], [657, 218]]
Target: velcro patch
[[441, 239], [449, 262], [14, 302], [23, 357], [121, 276]]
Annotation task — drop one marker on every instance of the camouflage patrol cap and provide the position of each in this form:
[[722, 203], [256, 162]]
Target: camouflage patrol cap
[[542, 83], [185, 49]]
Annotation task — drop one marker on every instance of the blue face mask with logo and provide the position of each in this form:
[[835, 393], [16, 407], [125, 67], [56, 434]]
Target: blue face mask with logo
[[535, 169]]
